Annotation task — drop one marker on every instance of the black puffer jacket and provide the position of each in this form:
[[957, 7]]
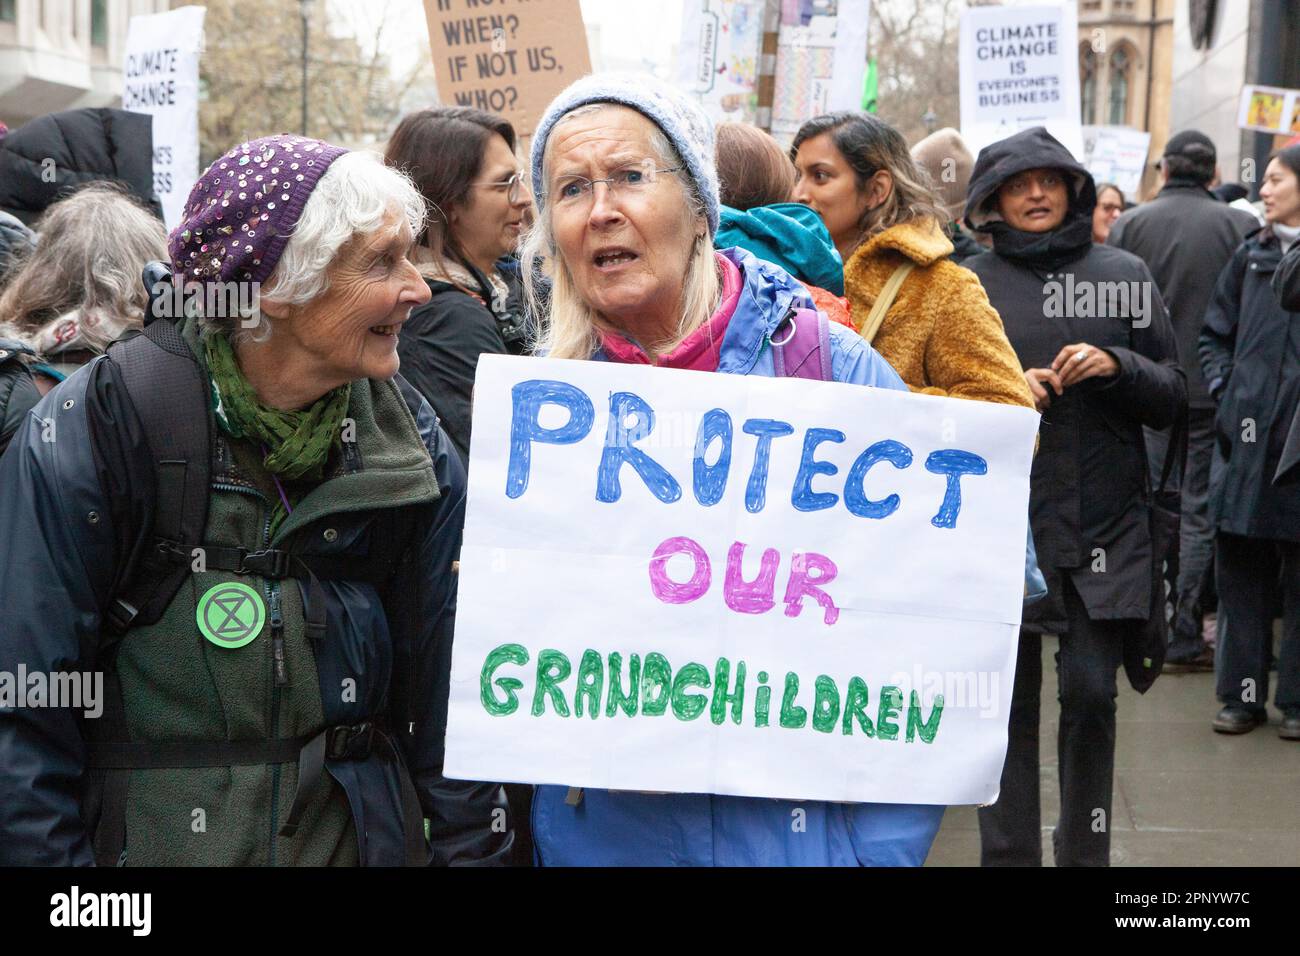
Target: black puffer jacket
[[47, 158], [1089, 498], [1250, 354]]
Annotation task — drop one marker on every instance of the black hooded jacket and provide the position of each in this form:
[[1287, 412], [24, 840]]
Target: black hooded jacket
[[1089, 499], [47, 158]]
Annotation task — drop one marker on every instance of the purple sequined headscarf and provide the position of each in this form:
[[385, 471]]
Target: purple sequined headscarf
[[244, 207]]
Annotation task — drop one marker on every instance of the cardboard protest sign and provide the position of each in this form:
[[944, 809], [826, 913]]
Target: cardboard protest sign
[[161, 77], [1018, 69], [506, 57], [691, 582]]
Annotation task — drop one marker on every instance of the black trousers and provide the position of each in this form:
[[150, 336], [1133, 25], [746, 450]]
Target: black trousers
[[1249, 571], [1086, 665], [1193, 591]]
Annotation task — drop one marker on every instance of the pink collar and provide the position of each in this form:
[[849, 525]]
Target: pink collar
[[700, 351]]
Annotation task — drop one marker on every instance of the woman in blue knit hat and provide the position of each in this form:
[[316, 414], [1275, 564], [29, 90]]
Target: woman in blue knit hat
[[244, 537], [627, 195]]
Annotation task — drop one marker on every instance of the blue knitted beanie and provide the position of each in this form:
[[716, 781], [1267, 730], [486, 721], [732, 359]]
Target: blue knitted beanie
[[681, 119]]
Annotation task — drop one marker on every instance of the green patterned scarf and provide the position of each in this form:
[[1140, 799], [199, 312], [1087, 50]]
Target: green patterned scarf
[[296, 444]]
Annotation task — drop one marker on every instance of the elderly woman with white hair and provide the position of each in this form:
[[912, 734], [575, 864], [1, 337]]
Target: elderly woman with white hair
[[246, 528], [627, 195]]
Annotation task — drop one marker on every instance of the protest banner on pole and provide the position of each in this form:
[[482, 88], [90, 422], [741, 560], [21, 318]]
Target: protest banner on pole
[[161, 77], [821, 60], [1117, 154], [508, 60], [720, 56], [713, 583], [1019, 67]]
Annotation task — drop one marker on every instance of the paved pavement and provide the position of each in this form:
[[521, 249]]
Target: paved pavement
[[1184, 795]]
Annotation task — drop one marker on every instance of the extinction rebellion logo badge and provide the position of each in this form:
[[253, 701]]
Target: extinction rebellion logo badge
[[230, 615]]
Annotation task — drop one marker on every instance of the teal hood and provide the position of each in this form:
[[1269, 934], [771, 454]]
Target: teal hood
[[788, 234]]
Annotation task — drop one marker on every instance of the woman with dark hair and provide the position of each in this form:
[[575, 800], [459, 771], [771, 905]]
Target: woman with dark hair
[[927, 316], [755, 177], [477, 199], [1099, 371], [1110, 205], [1250, 353]]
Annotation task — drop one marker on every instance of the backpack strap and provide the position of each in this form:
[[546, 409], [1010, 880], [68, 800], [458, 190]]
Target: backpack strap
[[801, 346], [169, 393], [876, 318]]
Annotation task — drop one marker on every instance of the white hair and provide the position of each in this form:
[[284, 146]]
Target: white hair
[[352, 198], [571, 326]]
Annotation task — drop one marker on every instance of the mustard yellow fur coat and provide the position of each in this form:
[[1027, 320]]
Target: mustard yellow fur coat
[[940, 335]]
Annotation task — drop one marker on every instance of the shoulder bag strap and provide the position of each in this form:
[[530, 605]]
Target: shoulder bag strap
[[876, 318]]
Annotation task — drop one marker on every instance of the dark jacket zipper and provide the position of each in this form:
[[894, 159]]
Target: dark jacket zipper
[[279, 675]]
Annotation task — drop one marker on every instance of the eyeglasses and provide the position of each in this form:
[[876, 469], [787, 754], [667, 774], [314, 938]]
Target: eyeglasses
[[1020, 184], [513, 186], [577, 191]]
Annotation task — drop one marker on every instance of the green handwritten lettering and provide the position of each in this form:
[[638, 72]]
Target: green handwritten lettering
[[855, 705], [928, 729], [891, 702], [792, 717], [689, 706], [552, 668], [514, 654], [722, 675], [617, 699], [826, 705]]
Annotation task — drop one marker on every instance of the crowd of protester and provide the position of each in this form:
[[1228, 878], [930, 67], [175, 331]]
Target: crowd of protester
[[634, 232]]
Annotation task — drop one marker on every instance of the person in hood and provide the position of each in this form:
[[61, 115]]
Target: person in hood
[[1098, 375], [626, 164], [946, 159], [940, 333], [74, 294], [47, 158], [1186, 237], [1250, 354], [463, 161], [755, 177]]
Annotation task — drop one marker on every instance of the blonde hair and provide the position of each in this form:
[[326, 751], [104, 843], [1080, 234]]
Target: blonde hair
[[572, 328]]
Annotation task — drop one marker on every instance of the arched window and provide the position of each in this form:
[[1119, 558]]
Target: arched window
[[1087, 82], [1120, 67]]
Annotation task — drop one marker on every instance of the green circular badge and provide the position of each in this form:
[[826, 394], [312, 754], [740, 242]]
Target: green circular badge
[[230, 615]]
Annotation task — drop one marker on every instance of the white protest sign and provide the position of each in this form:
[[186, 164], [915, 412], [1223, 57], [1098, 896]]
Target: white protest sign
[[1019, 68], [718, 58], [161, 78], [821, 60], [1117, 154], [691, 582]]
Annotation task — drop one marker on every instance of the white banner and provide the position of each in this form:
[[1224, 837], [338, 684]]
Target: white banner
[[1019, 67], [718, 60], [821, 61], [161, 78], [1117, 154], [692, 582]]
